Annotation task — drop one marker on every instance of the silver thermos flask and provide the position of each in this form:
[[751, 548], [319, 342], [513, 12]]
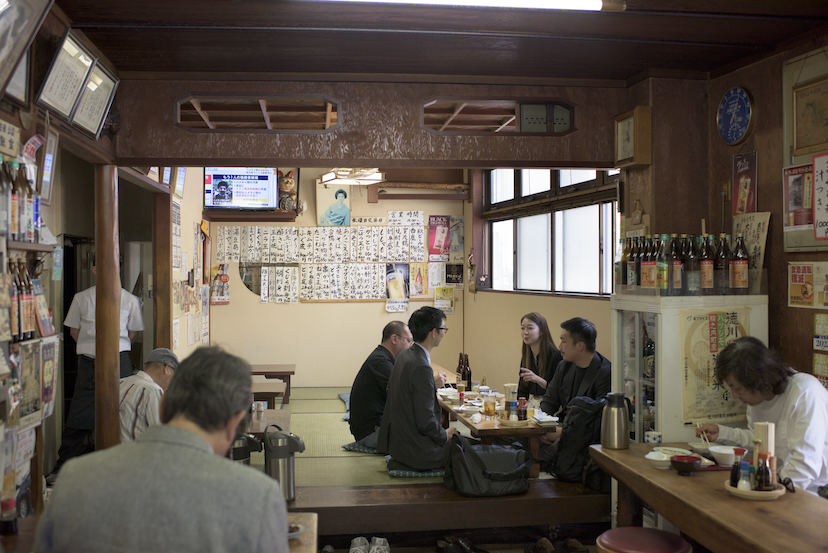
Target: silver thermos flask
[[615, 426], [280, 447]]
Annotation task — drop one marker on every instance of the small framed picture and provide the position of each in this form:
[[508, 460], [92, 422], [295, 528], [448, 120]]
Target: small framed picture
[[17, 90], [47, 166], [67, 75], [95, 101]]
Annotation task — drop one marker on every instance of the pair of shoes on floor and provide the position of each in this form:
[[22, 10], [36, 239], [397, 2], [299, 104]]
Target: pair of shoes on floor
[[377, 545], [457, 545]]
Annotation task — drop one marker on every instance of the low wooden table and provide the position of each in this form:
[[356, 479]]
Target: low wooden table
[[262, 419], [268, 390], [306, 541], [701, 508], [283, 372], [487, 430]]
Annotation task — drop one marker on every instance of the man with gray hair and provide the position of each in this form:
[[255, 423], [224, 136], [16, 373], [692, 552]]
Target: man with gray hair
[[172, 489], [141, 393]]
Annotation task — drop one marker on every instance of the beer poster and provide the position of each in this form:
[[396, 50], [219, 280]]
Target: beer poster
[[797, 208], [454, 275], [744, 183], [820, 368], [705, 333], [418, 286], [396, 281], [438, 237]]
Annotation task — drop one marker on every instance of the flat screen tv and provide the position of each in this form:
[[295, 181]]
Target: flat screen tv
[[241, 188]]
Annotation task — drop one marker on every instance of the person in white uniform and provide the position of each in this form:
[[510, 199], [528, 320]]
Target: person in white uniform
[[78, 433], [140, 394], [797, 403]]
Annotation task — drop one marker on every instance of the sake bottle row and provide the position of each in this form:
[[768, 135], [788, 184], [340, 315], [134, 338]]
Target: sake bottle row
[[686, 265]]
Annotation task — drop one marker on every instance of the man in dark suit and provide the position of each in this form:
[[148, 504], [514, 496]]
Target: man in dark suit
[[583, 371], [369, 392], [411, 431]]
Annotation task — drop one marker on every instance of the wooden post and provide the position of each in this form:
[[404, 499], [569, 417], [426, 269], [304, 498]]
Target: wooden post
[[107, 308], [162, 269]]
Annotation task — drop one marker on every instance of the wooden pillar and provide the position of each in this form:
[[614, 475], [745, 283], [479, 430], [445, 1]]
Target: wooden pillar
[[107, 308], [162, 269]]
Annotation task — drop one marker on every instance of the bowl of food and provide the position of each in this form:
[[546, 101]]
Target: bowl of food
[[724, 455], [658, 460], [685, 465]]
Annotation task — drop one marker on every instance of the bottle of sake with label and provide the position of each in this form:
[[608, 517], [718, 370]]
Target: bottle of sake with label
[[677, 264], [663, 267], [707, 253], [739, 267], [721, 267], [692, 269]]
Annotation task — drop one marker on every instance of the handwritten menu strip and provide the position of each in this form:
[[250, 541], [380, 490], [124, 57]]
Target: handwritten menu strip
[[292, 245], [417, 245], [405, 218], [265, 277], [264, 238], [220, 251], [271, 292], [820, 164]]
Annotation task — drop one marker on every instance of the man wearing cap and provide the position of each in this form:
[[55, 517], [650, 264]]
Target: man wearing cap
[[141, 393]]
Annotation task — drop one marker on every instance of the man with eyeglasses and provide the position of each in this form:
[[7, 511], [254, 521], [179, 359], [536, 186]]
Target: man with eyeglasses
[[369, 391], [411, 430]]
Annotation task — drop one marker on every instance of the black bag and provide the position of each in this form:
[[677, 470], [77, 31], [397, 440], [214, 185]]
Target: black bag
[[581, 428], [486, 470]]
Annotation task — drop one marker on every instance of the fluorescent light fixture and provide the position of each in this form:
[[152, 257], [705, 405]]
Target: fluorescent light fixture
[[352, 177], [586, 5]]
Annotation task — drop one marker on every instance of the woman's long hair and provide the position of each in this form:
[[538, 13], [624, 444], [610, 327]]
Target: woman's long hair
[[547, 346]]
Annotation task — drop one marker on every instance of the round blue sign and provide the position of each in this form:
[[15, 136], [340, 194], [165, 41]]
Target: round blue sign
[[734, 116]]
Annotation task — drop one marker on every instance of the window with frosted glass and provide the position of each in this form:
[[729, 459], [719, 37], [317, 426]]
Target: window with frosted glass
[[535, 181], [609, 241], [571, 177], [503, 255], [503, 185], [577, 248], [534, 252]]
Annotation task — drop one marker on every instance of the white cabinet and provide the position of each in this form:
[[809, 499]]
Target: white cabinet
[[657, 393]]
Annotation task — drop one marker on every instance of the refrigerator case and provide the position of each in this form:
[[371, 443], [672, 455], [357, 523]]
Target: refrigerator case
[[648, 360]]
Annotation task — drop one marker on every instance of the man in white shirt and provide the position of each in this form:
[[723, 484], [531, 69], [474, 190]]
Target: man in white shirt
[[797, 403], [140, 404], [78, 433]]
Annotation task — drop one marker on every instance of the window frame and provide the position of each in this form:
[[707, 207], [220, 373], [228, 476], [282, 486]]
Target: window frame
[[601, 191]]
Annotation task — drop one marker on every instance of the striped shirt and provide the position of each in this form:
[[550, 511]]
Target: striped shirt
[[140, 405]]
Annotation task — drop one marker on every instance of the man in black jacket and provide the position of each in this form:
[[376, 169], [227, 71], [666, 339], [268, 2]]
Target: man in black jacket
[[369, 390], [583, 371]]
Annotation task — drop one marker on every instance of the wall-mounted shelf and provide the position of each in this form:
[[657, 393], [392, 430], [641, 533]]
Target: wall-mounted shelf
[[249, 217], [29, 247]]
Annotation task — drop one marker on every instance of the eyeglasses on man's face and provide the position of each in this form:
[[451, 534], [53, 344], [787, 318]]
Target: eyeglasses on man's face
[[444, 328]]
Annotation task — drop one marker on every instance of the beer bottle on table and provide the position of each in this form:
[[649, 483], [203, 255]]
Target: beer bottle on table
[[663, 266], [467, 371], [692, 269], [739, 267], [458, 373], [677, 262], [721, 267], [706, 256]]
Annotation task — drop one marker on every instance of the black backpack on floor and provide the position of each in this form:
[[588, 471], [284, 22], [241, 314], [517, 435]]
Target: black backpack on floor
[[581, 428]]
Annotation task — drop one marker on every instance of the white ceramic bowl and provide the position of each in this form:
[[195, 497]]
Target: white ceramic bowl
[[723, 454], [699, 447], [658, 460]]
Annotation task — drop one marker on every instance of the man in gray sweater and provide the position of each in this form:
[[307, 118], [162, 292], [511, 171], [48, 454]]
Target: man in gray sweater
[[172, 489]]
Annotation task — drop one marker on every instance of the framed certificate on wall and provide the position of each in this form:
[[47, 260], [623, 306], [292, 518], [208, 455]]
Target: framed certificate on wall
[[66, 77], [19, 23], [96, 98]]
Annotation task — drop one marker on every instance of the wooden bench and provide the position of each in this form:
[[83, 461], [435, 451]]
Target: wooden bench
[[358, 510], [281, 371]]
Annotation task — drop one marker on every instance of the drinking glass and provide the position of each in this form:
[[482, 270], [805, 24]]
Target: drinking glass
[[489, 406], [461, 387]]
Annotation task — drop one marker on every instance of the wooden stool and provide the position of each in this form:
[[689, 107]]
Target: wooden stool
[[635, 539]]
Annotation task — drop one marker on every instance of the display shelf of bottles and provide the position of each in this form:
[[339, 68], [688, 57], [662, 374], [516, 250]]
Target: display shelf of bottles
[[29, 247]]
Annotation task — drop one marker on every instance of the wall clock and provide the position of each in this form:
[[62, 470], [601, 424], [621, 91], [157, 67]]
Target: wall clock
[[735, 115], [633, 138]]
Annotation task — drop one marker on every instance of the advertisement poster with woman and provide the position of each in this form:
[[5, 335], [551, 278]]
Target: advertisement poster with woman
[[438, 237], [333, 206]]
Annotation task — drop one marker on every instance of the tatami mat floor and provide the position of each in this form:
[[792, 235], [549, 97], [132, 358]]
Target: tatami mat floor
[[316, 417]]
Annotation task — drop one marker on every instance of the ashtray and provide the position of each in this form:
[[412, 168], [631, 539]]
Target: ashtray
[[685, 464]]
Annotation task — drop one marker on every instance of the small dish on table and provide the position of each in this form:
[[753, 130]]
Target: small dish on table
[[295, 530], [685, 465], [756, 495]]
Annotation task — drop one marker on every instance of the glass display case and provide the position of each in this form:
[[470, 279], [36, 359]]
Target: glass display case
[[664, 351]]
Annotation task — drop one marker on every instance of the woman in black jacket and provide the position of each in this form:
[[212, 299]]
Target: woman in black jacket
[[540, 356]]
